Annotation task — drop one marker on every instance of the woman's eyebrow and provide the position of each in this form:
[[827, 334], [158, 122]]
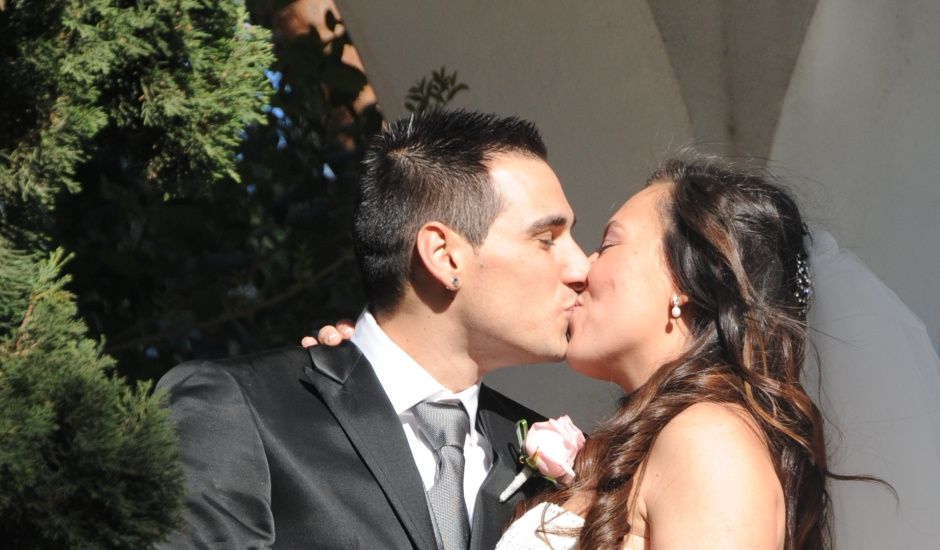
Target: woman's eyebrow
[[612, 224]]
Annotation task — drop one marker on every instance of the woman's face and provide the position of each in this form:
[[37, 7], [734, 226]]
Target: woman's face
[[623, 330]]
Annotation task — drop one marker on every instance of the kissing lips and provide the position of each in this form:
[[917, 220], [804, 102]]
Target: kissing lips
[[571, 316]]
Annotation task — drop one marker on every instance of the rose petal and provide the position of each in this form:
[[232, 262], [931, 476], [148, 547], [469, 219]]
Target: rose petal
[[555, 443]]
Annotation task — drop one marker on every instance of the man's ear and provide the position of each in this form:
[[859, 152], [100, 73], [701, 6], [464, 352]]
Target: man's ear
[[443, 252]]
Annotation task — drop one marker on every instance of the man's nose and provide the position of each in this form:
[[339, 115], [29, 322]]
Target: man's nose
[[575, 273]]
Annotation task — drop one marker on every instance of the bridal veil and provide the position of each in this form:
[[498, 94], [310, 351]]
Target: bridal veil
[[876, 377]]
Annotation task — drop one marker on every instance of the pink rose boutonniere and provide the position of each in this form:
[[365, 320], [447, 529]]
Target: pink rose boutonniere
[[548, 447]]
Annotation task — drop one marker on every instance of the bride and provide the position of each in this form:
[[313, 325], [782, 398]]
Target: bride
[[696, 305]]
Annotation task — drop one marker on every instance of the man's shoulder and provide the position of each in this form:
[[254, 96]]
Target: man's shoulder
[[265, 363], [282, 357]]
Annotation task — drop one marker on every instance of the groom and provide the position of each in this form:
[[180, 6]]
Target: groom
[[463, 239]]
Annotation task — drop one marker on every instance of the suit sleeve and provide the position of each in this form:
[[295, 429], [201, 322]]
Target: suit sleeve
[[228, 484]]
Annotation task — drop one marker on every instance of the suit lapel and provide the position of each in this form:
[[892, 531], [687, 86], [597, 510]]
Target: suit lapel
[[348, 386], [490, 515]]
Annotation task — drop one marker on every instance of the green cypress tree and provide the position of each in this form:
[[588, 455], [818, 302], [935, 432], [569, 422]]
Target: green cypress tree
[[162, 89], [86, 460], [207, 271]]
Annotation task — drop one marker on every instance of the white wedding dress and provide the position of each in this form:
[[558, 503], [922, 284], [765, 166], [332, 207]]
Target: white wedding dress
[[549, 526], [544, 526], [877, 381]]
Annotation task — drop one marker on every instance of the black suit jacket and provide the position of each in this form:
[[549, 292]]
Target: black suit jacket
[[300, 448]]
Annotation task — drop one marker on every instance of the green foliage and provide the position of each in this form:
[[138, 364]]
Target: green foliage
[[174, 82], [229, 268], [434, 92], [146, 98], [86, 461]]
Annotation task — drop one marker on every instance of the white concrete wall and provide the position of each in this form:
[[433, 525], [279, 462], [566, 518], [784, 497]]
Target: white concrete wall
[[860, 134]]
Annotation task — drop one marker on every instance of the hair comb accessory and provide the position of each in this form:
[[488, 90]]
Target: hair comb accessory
[[804, 283]]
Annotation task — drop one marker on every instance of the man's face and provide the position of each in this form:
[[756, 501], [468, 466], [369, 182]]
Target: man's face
[[520, 289]]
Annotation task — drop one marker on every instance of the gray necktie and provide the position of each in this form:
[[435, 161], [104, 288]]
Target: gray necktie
[[445, 427]]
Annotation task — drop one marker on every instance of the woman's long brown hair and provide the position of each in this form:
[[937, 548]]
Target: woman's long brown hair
[[734, 243]]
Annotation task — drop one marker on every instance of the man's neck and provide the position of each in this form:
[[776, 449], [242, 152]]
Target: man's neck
[[434, 342]]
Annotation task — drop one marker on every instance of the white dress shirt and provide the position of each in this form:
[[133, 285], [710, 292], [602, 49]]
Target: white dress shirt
[[406, 383]]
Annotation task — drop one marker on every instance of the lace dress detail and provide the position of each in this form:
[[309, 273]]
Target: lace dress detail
[[546, 526]]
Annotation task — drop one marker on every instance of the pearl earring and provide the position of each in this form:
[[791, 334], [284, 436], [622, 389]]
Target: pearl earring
[[676, 310]]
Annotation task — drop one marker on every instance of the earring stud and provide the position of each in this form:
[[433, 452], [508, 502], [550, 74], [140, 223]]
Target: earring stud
[[454, 284], [676, 310]]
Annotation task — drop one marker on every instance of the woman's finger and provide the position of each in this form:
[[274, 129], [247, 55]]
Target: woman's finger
[[329, 335], [346, 328]]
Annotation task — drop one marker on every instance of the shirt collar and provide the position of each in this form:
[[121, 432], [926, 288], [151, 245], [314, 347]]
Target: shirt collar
[[405, 381]]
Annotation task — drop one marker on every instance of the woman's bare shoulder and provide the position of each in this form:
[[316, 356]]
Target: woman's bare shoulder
[[713, 438], [710, 474], [711, 424]]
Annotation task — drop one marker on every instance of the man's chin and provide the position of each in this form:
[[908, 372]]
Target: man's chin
[[539, 351], [558, 355]]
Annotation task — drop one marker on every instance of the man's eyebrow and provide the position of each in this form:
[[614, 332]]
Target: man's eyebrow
[[552, 221]]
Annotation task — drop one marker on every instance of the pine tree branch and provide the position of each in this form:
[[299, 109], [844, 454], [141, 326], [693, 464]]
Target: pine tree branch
[[28, 317], [17, 344]]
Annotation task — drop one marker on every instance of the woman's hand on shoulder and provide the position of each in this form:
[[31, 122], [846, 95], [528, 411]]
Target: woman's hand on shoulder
[[710, 482], [331, 335]]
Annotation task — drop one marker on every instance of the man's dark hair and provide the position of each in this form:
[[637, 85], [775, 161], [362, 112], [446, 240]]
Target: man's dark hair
[[431, 166]]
